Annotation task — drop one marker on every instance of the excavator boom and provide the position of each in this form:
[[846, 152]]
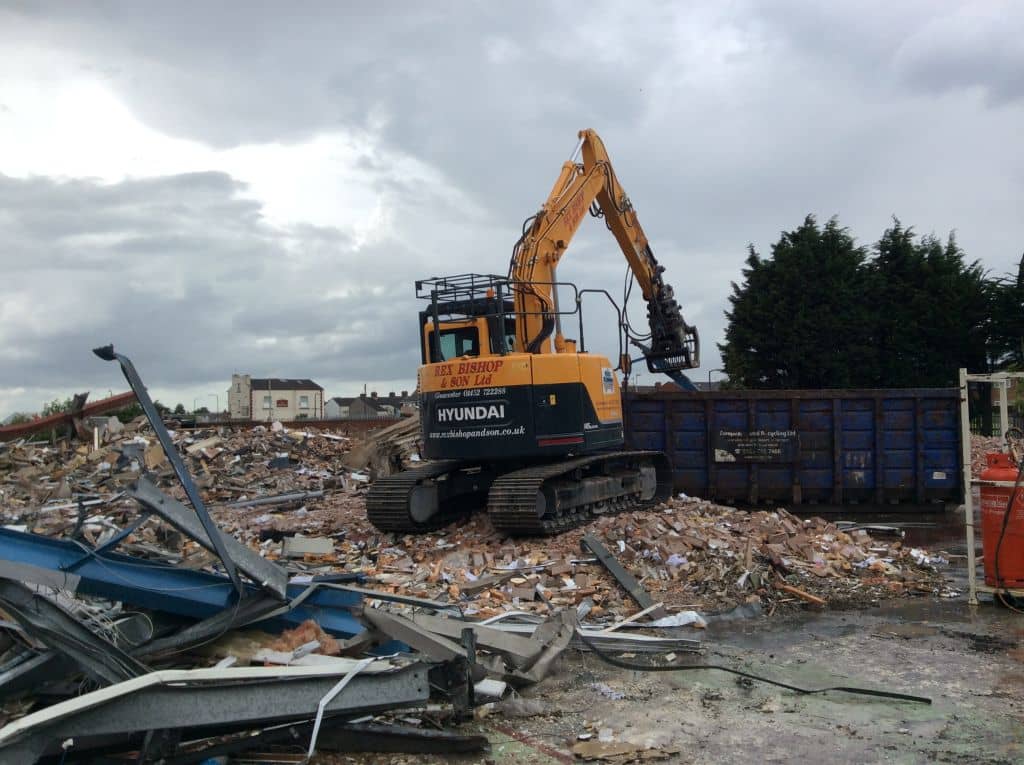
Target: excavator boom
[[592, 185]]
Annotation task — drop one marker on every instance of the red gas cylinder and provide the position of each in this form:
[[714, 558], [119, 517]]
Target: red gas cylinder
[[993, 509]]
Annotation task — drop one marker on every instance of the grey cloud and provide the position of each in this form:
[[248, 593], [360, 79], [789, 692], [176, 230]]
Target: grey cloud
[[192, 307], [318, 315], [979, 48], [910, 47], [727, 124], [65, 208], [211, 73]]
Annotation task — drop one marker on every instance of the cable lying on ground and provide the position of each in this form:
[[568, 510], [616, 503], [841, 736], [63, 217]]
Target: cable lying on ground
[[616, 662]]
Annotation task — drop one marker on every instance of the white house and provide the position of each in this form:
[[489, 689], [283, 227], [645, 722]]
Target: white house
[[274, 398]]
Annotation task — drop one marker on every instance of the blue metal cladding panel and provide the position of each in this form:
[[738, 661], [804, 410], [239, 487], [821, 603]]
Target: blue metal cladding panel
[[816, 473], [939, 435], [829, 447]]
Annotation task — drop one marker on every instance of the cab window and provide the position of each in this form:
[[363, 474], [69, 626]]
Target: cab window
[[463, 341]]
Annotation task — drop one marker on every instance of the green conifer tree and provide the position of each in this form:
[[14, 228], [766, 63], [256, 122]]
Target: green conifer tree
[[802, 318]]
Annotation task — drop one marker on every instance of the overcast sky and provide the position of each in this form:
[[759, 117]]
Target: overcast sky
[[223, 187]]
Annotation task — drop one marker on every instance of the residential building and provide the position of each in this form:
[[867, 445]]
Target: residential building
[[370, 406], [240, 397], [367, 408], [337, 408], [274, 398]]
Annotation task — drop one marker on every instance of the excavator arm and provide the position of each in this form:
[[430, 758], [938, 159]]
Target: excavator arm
[[591, 185]]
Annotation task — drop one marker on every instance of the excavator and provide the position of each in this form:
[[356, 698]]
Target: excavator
[[518, 417]]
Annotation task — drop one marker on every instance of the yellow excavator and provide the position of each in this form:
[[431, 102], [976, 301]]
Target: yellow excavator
[[516, 416]]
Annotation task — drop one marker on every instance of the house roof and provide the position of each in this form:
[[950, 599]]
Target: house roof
[[371, 403], [282, 383], [395, 401]]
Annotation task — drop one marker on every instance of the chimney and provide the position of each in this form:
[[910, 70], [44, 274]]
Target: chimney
[[373, 394]]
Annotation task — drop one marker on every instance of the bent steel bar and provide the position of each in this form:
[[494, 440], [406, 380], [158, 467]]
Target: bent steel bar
[[107, 353], [206, 698], [263, 572]]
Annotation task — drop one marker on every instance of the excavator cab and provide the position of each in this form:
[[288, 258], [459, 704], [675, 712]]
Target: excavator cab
[[461, 338], [454, 339], [468, 316]]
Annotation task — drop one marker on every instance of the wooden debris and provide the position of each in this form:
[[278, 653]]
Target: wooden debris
[[619, 751], [623, 577], [206, 443], [637, 616], [801, 594]]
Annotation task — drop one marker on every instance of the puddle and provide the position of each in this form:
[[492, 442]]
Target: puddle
[[779, 632], [986, 628], [908, 631], [985, 643]]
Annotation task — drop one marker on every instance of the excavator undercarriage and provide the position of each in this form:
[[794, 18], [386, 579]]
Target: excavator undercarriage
[[521, 499]]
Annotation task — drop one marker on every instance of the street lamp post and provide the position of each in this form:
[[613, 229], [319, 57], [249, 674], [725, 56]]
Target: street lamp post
[[195, 406], [216, 396], [709, 376]]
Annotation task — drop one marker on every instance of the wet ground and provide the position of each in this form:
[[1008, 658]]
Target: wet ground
[[968, 660]]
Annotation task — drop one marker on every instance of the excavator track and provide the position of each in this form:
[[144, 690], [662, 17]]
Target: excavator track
[[550, 499], [403, 502], [540, 500]]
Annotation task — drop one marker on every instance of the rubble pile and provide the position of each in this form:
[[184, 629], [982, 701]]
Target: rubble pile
[[389, 450], [43, 486], [980, 446], [689, 554], [118, 603], [127, 628]]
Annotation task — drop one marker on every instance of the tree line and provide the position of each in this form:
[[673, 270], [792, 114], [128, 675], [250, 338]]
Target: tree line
[[909, 311]]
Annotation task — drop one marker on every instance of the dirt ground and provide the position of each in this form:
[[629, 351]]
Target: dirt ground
[[968, 660], [969, 663]]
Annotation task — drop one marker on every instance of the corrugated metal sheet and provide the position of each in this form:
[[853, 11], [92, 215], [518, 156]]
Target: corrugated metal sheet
[[833, 447]]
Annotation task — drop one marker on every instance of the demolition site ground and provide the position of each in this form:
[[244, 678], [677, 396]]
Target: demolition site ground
[[863, 602], [970, 662]]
